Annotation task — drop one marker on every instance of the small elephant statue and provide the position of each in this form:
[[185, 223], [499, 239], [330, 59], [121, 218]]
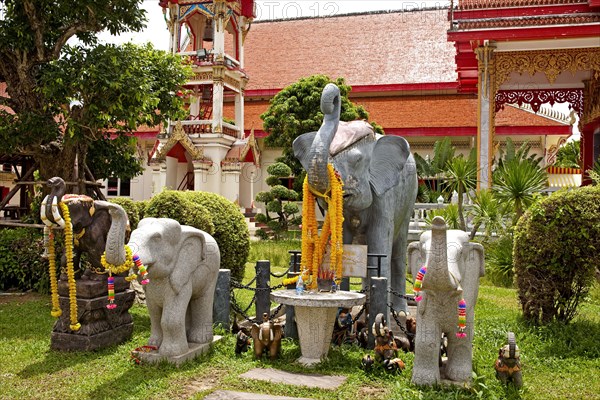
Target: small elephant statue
[[267, 338], [386, 350], [242, 342], [183, 265], [508, 364], [446, 267]]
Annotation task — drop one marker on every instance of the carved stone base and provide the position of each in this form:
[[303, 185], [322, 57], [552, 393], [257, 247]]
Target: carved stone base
[[100, 327], [195, 349]]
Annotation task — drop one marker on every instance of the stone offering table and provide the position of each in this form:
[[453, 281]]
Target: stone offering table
[[315, 316]]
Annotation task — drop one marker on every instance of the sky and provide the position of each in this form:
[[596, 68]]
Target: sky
[[156, 31]]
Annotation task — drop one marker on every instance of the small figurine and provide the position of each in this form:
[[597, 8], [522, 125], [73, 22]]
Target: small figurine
[[367, 362], [242, 342], [508, 364], [343, 329], [267, 338], [386, 350]]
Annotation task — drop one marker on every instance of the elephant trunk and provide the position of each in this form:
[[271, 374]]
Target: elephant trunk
[[438, 276], [115, 241], [57, 191], [318, 177]]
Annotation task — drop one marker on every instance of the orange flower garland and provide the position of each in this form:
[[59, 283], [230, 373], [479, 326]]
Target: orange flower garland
[[56, 311], [75, 325], [313, 244]]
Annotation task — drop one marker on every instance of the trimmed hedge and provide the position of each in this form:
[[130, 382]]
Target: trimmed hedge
[[556, 254], [231, 230], [175, 205], [21, 264]]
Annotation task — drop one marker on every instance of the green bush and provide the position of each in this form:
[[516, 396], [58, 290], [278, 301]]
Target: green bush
[[130, 208], [175, 205], [141, 206], [21, 264], [499, 261], [556, 254], [230, 232]]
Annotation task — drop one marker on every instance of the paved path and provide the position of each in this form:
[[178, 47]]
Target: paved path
[[229, 395], [297, 379]]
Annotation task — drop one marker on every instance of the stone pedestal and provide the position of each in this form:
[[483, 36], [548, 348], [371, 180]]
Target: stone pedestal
[[195, 349], [315, 316], [100, 327]]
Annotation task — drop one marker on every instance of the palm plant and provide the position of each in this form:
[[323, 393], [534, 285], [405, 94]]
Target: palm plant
[[516, 183], [443, 152], [461, 176], [568, 155], [594, 173], [486, 212]]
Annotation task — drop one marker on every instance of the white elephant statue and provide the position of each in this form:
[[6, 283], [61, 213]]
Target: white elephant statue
[[183, 266], [446, 268]]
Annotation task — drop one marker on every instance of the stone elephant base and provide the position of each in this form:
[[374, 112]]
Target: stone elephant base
[[195, 350], [100, 327]]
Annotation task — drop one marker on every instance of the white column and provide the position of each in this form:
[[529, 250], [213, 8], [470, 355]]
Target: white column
[[485, 115], [217, 118], [159, 178], [239, 112]]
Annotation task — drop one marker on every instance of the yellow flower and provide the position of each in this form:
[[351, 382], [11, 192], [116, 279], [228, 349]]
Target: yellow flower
[[70, 268]]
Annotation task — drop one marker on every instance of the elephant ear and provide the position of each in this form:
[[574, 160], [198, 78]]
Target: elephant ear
[[301, 147], [472, 269], [389, 157], [190, 253], [414, 258]]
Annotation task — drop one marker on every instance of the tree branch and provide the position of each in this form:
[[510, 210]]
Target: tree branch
[[37, 26]]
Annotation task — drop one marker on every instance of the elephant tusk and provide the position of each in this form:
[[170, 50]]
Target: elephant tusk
[[271, 334], [260, 335], [43, 217], [56, 214]]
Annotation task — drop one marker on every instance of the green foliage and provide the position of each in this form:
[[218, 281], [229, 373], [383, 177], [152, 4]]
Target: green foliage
[[594, 173], [449, 213], [556, 254], [279, 200], [130, 208], [569, 155], [21, 264], [296, 110], [461, 176], [141, 206], [487, 212], [175, 205], [111, 87], [230, 230], [499, 261], [433, 170]]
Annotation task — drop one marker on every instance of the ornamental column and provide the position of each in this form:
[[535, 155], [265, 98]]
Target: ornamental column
[[220, 20], [486, 92], [159, 177], [218, 87]]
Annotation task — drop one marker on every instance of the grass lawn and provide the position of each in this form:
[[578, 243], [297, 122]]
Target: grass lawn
[[560, 362]]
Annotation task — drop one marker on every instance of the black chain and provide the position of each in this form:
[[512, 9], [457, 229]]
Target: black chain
[[362, 310], [284, 273], [402, 328], [238, 285], [398, 294], [238, 310]]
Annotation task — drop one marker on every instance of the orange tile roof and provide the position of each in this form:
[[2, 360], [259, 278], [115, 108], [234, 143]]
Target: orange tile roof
[[365, 49], [475, 4]]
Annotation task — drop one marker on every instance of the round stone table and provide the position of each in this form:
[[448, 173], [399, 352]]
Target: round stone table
[[315, 316]]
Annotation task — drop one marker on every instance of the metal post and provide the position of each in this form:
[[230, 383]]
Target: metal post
[[221, 300], [291, 330], [377, 304], [295, 260], [263, 275]]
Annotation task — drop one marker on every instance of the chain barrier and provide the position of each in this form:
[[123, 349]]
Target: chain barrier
[[402, 296], [399, 323], [238, 285], [238, 310], [284, 273], [362, 310]]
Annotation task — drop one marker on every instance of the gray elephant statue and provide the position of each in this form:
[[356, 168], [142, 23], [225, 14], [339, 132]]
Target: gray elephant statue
[[380, 185], [91, 222], [447, 268], [183, 264]]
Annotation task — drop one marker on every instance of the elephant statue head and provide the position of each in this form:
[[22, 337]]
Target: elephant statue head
[[267, 338], [447, 268], [97, 225], [183, 265], [380, 184]]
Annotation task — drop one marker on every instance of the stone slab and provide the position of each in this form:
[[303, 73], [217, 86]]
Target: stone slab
[[195, 349], [230, 395], [296, 379]]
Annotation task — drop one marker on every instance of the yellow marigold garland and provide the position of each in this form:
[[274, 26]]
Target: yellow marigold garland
[[118, 269], [75, 325], [56, 311], [313, 244]]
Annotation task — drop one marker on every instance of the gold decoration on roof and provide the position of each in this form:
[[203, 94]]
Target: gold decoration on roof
[[551, 62], [179, 136]]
